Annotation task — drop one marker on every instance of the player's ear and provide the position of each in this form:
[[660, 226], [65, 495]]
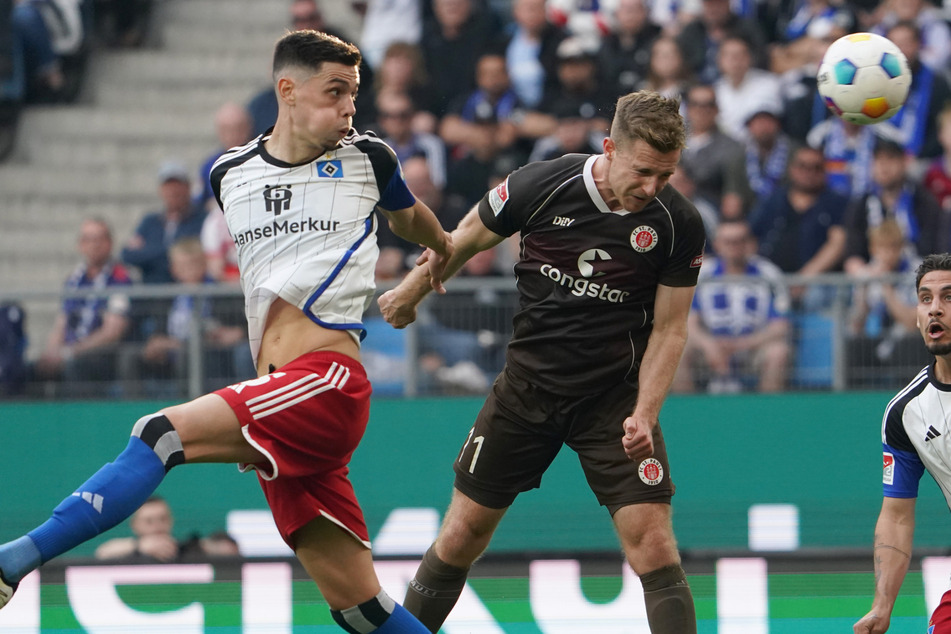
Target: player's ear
[[609, 147], [286, 89]]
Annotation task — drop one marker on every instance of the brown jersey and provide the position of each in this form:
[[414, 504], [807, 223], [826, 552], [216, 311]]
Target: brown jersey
[[587, 276]]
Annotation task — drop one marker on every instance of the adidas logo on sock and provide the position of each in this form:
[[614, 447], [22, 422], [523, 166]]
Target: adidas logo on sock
[[93, 498], [932, 433]]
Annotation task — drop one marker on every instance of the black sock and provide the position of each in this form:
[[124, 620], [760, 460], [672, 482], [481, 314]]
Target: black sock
[[669, 602], [434, 590]]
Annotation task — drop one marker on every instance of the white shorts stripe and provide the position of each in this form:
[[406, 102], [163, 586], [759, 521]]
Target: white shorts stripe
[[286, 404], [314, 382], [336, 377], [275, 392]]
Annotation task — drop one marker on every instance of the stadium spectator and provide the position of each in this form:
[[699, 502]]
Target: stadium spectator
[[232, 129], [404, 71], [576, 132], [395, 113], [715, 160], [742, 88], [578, 82], [480, 127], [531, 51], [883, 345], [153, 540], [935, 35], [937, 179], [799, 228], [929, 93], [666, 71], [570, 367], [768, 151], [587, 20], [625, 52], [801, 34], [147, 249], [848, 149], [454, 39], [81, 348], [13, 340], [484, 121], [222, 331], [701, 39], [386, 23], [42, 69], [682, 180], [894, 195], [738, 331]]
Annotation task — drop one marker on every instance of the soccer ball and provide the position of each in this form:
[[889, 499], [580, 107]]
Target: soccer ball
[[864, 78]]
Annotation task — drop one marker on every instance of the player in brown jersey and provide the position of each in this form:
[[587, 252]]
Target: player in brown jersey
[[608, 266]]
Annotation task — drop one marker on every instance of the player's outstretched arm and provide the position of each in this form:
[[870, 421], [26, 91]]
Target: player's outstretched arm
[[398, 305], [894, 533]]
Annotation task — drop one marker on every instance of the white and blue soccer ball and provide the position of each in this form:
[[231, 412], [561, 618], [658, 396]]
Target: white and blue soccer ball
[[864, 78]]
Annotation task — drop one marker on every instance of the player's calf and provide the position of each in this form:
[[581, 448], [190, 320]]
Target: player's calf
[[110, 496]]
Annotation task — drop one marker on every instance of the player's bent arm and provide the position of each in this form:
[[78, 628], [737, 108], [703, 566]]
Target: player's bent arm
[[398, 305], [894, 534], [419, 224]]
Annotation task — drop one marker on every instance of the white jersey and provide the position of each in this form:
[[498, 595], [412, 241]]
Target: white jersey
[[307, 233], [916, 435]]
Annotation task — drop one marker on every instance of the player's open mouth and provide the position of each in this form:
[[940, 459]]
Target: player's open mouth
[[935, 330]]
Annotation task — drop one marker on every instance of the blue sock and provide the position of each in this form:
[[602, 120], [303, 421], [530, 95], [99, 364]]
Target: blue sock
[[107, 498], [381, 614], [401, 622]]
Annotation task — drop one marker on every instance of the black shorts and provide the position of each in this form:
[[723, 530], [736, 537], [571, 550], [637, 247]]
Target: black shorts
[[521, 428]]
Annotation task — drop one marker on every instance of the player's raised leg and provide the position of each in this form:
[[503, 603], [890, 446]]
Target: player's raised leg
[[647, 536], [204, 430], [441, 576], [342, 567]]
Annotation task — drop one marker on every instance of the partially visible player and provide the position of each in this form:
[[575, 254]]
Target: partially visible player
[[915, 438], [300, 202], [608, 264]]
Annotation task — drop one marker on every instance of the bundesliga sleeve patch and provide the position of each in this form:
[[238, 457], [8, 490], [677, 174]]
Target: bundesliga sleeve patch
[[499, 196], [888, 468]]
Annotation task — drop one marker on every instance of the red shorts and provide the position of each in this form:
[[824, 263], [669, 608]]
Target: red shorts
[[307, 418], [940, 622]]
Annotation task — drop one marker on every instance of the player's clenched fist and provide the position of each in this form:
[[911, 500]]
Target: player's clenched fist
[[871, 623], [395, 311], [638, 440]]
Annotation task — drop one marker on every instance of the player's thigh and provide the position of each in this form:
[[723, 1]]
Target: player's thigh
[[341, 566], [210, 431], [647, 536], [515, 437]]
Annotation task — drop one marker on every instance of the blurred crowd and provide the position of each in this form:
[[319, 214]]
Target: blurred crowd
[[45, 45], [466, 91]]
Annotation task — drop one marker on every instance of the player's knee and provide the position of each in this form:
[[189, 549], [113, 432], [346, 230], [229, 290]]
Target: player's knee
[[157, 432]]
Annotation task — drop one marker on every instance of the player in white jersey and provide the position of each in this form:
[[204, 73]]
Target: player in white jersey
[[915, 438], [300, 203]]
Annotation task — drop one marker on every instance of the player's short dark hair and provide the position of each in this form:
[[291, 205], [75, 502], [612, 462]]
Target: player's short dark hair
[[933, 262], [309, 49], [650, 117]]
